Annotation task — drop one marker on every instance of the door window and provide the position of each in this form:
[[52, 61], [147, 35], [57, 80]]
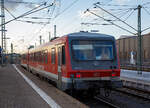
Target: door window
[[63, 56], [59, 56]]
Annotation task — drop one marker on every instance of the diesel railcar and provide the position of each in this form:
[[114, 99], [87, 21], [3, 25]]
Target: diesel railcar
[[80, 61]]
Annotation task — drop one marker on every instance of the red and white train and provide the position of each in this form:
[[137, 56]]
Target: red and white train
[[80, 61]]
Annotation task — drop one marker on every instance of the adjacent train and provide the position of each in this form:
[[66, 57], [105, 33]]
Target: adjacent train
[[80, 61]]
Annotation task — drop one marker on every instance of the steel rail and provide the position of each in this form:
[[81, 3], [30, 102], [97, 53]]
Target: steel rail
[[106, 102], [137, 93]]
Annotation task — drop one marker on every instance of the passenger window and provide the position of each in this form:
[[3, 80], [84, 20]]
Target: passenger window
[[43, 56], [53, 56], [59, 56], [34, 56], [46, 55], [40, 58], [63, 56]]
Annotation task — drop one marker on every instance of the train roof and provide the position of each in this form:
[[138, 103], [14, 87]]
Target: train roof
[[89, 34], [81, 35]]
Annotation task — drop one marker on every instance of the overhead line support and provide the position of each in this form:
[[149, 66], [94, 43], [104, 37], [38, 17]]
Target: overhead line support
[[140, 38], [3, 35]]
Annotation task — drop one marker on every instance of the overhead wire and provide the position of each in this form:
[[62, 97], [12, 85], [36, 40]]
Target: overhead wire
[[110, 22], [27, 13], [53, 9], [69, 22], [23, 14], [21, 2], [146, 7], [120, 15], [9, 12], [44, 25], [97, 5], [148, 14], [129, 15], [120, 12], [28, 17], [30, 12], [36, 18], [33, 22], [69, 6], [145, 3], [51, 14], [14, 18], [57, 11], [112, 9], [116, 5], [146, 10]]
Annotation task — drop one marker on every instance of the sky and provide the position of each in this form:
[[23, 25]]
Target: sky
[[68, 15]]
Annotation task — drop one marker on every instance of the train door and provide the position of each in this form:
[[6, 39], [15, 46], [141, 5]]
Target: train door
[[61, 61], [59, 66]]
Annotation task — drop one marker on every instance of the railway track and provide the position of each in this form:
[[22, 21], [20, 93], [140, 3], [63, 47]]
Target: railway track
[[135, 92], [124, 92], [120, 98], [106, 101]]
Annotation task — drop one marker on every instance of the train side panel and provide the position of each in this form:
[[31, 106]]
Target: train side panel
[[74, 73]]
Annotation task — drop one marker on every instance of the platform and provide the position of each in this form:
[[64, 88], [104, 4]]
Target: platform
[[18, 91], [133, 79]]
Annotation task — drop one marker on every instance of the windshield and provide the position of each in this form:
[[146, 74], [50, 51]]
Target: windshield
[[92, 50]]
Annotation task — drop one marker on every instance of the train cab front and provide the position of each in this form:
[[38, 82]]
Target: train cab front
[[94, 62]]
